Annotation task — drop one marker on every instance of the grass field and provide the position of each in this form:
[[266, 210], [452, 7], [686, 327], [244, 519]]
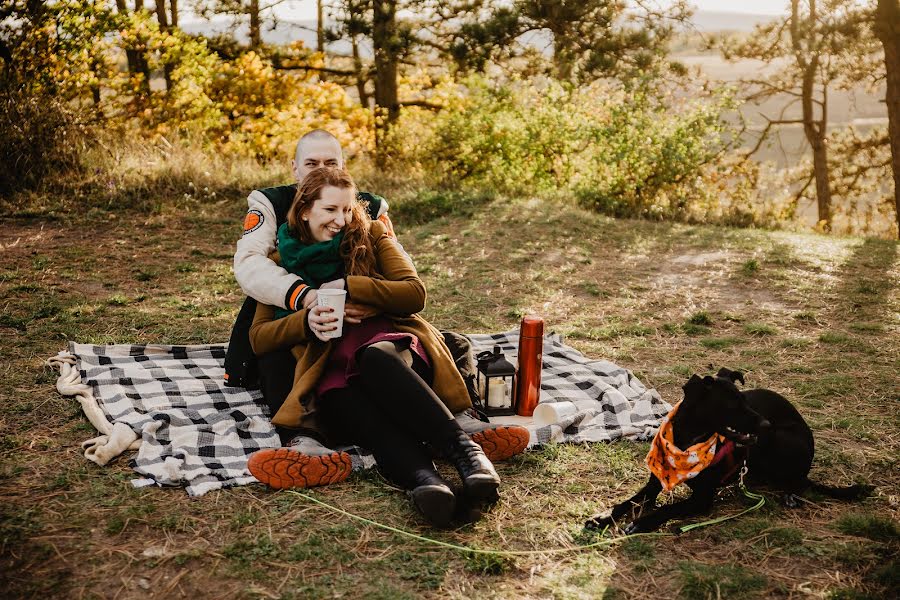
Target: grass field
[[816, 318]]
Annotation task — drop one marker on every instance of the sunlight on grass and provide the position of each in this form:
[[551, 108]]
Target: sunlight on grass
[[612, 286]]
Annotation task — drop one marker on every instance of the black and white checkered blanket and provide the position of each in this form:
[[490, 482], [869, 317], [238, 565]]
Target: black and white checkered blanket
[[197, 433]]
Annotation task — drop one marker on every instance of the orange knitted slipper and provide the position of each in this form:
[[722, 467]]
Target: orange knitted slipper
[[501, 442], [282, 468]]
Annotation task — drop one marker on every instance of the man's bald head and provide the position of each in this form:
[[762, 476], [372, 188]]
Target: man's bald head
[[318, 148]]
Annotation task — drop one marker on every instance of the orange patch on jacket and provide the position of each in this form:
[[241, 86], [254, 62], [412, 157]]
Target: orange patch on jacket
[[252, 221]]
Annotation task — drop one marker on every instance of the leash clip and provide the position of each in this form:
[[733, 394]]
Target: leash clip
[[742, 473]]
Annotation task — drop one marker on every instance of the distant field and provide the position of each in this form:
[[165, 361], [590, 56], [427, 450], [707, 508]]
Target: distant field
[[787, 147]]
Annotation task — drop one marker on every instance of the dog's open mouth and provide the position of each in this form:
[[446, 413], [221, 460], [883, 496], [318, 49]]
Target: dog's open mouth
[[740, 438]]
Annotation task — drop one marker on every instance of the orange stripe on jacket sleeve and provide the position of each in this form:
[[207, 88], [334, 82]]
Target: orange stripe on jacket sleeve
[[293, 301]]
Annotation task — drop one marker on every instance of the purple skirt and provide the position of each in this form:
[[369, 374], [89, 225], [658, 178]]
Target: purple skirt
[[342, 365]]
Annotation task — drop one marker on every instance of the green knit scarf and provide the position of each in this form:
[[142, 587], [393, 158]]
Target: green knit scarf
[[314, 263]]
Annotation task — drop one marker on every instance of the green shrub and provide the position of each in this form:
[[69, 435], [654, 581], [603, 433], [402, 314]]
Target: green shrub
[[700, 318], [616, 151]]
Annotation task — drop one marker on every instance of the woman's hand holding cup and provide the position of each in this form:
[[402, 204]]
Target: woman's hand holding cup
[[322, 321]]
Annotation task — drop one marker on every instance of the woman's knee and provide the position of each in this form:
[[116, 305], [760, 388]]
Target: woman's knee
[[379, 356]]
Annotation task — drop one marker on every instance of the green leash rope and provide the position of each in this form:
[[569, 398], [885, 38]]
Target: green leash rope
[[760, 500], [460, 548]]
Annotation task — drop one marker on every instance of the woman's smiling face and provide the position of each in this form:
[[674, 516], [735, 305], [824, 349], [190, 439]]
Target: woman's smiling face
[[330, 213]]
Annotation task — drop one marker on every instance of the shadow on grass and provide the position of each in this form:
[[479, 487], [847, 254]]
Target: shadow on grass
[[864, 284], [429, 205]]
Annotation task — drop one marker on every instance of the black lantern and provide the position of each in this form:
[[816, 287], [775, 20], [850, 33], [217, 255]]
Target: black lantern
[[496, 379]]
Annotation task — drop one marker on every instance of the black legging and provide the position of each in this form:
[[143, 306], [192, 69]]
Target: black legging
[[390, 410]]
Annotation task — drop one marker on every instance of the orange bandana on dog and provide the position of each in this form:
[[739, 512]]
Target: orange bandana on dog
[[672, 465]]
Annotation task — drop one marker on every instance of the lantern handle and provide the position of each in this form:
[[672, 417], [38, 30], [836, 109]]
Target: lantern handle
[[484, 355], [495, 353]]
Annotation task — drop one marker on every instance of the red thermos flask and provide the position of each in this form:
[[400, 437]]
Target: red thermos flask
[[531, 345]]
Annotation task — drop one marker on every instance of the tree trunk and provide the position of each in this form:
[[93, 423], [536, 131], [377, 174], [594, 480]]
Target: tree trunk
[[563, 52], [130, 55], [137, 61], [823, 187], [174, 11], [320, 36], [320, 26], [360, 76], [96, 65], [255, 35], [816, 132], [887, 28], [387, 106], [163, 17]]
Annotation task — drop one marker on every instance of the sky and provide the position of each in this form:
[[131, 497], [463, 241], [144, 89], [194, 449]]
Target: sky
[[757, 7], [303, 10]]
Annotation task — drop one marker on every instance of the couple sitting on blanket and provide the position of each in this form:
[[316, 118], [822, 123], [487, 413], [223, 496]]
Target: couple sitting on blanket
[[389, 383]]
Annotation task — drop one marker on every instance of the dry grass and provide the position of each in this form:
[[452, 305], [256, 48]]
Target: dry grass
[[813, 317]]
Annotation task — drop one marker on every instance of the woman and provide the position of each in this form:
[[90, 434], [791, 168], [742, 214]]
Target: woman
[[388, 383]]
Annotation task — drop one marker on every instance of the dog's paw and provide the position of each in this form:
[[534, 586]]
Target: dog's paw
[[632, 528], [599, 522], [643, 525], [790, 500]]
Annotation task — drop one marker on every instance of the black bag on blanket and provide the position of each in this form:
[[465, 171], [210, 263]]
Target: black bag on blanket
[[464, 358], [241, 366]]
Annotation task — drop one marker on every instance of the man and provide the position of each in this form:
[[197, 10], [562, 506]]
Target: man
[[258, 276], [265, 281]]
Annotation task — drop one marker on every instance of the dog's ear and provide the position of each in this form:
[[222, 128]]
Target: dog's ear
[[731, 375]]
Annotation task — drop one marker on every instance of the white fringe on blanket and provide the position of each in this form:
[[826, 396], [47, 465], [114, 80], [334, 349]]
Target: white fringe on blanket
[[169, 403], [116, 438]]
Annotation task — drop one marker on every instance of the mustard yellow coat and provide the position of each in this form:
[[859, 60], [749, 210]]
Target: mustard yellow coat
[[399, 293]]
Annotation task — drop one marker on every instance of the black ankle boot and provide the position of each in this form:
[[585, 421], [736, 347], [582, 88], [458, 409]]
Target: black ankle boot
[[433, 497], [480, 480]]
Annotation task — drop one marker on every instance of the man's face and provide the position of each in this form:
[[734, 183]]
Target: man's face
[[316, 153]]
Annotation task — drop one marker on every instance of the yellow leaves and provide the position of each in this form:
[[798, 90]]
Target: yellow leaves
[[242, 105]]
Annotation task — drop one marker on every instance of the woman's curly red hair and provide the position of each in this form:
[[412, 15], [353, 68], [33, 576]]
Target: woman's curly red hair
[[356, 247]]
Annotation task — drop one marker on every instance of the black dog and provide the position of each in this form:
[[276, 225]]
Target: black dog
[[766, 430]]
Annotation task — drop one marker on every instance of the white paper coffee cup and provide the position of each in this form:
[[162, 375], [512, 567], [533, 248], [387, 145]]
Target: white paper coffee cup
[[548, 413], [334, 299]]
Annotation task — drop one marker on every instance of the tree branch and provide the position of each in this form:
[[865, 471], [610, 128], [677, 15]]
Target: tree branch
[[282, 67], [422, 104], [798, 195], [765, 132]]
